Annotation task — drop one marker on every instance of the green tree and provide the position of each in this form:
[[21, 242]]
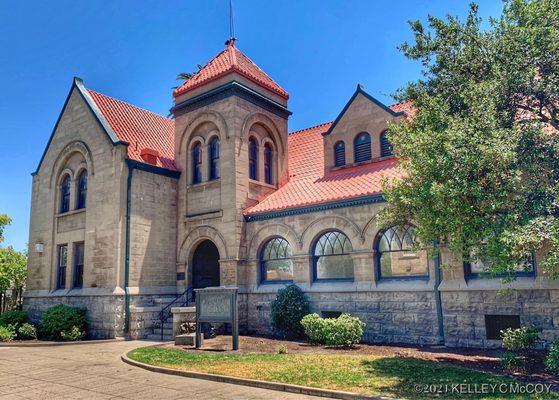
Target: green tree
[[13, 272], [4, 221], [481, 153]]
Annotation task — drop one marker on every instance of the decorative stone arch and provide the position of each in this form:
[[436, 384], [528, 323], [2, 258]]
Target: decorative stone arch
[[205, 116], [269, 231], [268, 123], [60, 164], [194, 140], [370, 231], [197, 235], [331, 222]]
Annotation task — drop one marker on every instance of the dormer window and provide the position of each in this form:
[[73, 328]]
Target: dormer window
[[385, 145], [253, 159], [362, 147], [196, 155], [339, 154]]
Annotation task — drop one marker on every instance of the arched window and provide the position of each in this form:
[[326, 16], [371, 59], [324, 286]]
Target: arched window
[[339, 154], [385, 145], [268, 164], [398, 255], [253, 159], [275, 261], [214, 158], [362, 147], [196, 154], [65, 194], [82, 190], [332, 258]]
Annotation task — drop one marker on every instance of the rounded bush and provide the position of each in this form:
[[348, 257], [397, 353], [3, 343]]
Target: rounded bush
[[13, 317], [520, 339], [61, 318], [287, 311], [7, 333], [314, 328], [27, 332], [552, 359]]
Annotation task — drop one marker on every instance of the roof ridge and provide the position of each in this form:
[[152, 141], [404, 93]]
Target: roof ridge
[[130, 104], [310, 127]]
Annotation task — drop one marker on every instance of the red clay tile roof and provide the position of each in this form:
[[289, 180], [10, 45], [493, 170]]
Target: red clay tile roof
[[140, 128], [227, 61], [309, 185]]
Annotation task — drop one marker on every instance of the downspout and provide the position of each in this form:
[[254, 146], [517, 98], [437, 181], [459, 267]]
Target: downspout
[[438, 301], [127, 250]]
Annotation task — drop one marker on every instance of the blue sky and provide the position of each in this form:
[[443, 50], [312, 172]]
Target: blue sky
[[318, 50]]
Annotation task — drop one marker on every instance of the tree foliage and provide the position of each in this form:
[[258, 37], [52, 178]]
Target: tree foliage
[[13, 269], [4, 221], [481, 153]]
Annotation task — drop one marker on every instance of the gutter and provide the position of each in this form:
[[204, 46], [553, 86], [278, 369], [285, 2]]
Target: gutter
[[127, 250], [438, 301]]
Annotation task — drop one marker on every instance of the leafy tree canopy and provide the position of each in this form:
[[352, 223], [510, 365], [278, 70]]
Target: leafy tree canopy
[[4, 221], [13, 269], [481, 154]]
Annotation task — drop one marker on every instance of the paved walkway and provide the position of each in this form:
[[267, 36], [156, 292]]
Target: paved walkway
[[95, 371]]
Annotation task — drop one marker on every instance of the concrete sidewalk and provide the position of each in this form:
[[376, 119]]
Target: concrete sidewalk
[[95, 371]]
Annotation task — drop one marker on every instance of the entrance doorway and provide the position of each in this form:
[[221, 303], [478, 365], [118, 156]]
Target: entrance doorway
[[205, 265]]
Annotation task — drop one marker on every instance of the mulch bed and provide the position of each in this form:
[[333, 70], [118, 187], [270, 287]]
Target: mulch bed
[[481, 360]]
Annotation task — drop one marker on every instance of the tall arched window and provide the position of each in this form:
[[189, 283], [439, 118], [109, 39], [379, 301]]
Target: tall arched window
[[385, 145], [253, 159], [332, 258], [398, 255], [214, 158], [275, 261], [82, 190], [196, 155], [339, 154], [65, 195], [362, 147], [268, 164]]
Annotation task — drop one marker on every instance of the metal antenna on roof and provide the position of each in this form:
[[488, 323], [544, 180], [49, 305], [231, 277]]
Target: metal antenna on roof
[[232, 37]]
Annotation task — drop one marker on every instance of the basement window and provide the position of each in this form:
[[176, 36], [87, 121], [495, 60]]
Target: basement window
[[494, 324]]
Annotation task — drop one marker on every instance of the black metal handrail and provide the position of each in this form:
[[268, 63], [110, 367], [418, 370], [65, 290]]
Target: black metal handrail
[[182, 300]]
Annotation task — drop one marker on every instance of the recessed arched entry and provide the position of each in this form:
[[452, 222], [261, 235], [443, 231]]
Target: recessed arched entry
[[205, 265]]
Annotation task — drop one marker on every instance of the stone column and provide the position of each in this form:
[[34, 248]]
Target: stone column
[[228, 274], [302, 265], [182, 277], [363, 266], [452, 266]]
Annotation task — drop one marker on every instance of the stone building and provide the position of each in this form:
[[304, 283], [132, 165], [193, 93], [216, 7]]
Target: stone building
[[130, 209]]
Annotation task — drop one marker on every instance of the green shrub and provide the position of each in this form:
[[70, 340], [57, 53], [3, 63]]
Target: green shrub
[[345, 330], [552, 359], [288, 309], [73, 334], [520, 339], [7, 333], [313, 325], [27, 332], [512, 361], [61, 318], [13, 317]]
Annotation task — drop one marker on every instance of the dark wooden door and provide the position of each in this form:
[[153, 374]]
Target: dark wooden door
[[205, 265]]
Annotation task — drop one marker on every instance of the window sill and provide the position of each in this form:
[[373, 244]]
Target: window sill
[[267, 283], [335, 280], [71, 212], [263, 184], [404, 278], [202, 185]]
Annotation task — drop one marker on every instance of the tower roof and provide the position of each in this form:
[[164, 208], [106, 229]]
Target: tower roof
[[230, 60]]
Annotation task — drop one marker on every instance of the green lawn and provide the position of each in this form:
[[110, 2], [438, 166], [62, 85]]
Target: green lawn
[[395, 377]]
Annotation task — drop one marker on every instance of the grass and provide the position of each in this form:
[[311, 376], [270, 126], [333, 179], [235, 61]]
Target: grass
[[386, 376]]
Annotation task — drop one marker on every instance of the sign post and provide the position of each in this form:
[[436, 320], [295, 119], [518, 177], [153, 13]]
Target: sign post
[[217, 305]]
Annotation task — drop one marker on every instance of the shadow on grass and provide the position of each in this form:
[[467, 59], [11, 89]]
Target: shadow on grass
[[424, 379]]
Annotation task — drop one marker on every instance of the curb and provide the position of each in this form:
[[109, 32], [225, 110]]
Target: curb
[[282, 387], [47, 343]]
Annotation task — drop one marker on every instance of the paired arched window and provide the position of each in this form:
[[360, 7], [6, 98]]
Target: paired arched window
[[339, 154], [214, 158], [268, 164], [81, 197], [362, 147], [65, 195], [253, 159], [196, 155], [385, 145], [332, 258], [275, 261], [398, 256]]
